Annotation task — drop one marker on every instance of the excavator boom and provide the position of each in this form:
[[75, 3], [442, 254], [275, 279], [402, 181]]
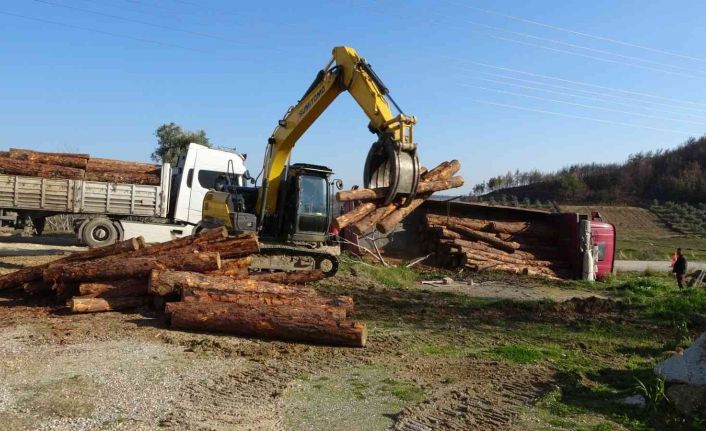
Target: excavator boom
[[392, 160]]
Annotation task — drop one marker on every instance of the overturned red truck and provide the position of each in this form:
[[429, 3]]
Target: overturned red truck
[[480, 237]]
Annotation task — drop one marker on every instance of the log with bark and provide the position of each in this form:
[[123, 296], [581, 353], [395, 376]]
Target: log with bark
[[306, 324], [56, 159], [114, 288], [94, 305], [124, 177], [23, 168], [380, 193], [238, 246], [168, 282], [294, 277], [337, 308], [96, 164], [112, 268], [353, 216], [508, 246], [234, 268]]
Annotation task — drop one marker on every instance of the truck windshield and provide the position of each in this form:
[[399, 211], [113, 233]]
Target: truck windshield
[[312, 195]]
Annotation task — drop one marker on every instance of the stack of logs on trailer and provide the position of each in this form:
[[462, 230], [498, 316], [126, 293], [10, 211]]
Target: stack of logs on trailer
[[202, 282], [77, 167], [520, 247], [371, 214]]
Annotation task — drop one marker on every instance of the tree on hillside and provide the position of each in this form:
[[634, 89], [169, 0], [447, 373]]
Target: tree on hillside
[[173, 142]]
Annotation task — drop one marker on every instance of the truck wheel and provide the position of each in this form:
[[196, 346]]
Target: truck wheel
[[99, 232], [328, 265]]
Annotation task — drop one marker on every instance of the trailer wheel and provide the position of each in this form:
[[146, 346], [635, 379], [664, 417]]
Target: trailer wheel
[[99, 232]]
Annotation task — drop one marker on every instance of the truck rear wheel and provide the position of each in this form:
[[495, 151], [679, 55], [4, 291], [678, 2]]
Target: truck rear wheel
[[99, 232]]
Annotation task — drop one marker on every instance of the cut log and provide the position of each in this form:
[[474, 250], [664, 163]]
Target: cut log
[[387, 224], [115, 288], [170, 282], [475, 245], [30, 169], [434, 219], [286, 323], [294, 277], [206, 235], [94, 305], [367, 223], [48, 158], [508, 246], [353, 216], [16, 151], [238, 246], [18, 278], [124, 178], [337, 308], [120, 247], [112, 268], [379, 193], [234, 268], [96, 164]]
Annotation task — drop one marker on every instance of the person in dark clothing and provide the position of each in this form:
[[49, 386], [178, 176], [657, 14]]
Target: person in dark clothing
[[679, 268]]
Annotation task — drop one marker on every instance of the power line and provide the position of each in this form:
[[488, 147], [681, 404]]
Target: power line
[[136, 21], [537, 75], [580, 117], [572, 45], [583, 34], [563, 93], [593, 57], [92, 30], [582, 105]]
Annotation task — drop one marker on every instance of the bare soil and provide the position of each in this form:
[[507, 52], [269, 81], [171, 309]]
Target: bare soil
[[422, 369]]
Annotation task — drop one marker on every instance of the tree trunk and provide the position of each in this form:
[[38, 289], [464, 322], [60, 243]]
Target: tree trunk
[[338, 308], [93, 305], [48, 159], [388, 223], [286, 323], [30, 169], [17, 151], [124, 178], [367, 223], [487, 238], [206, 235], [36, 287], [380, 193], [294, 277], [112, 268], [238, 246], [234, 268], [115, 288], [354, 215], [434, 219], [474, 245], [96, 164], [169, 282], [125, 246], [19, 277]]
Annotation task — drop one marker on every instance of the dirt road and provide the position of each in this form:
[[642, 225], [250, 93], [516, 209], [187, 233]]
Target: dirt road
[[426, 367]]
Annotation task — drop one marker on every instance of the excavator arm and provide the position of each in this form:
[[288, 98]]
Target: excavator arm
[[392, 160]]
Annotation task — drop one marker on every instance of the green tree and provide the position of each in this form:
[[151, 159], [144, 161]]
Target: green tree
[[173, 142]]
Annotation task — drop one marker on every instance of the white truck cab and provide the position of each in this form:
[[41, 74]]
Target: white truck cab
[[197, 173]]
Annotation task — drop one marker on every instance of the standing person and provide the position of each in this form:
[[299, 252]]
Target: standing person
[[679, 268]]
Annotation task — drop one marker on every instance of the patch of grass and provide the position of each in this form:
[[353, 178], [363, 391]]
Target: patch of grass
[[392, 276], [524, 354], [405, 391]]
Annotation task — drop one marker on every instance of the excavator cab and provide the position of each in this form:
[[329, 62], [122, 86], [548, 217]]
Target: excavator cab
[[307, 203]]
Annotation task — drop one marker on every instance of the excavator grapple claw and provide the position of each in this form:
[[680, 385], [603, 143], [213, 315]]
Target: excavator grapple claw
[[395, 168]]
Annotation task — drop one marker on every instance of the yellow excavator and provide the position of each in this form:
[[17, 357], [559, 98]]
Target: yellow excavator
[[291, 211]]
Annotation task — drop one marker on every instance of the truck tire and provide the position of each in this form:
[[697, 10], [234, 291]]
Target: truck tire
[[99, 232]]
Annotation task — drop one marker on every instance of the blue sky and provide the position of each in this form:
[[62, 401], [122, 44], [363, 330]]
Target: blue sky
[[233, 69]]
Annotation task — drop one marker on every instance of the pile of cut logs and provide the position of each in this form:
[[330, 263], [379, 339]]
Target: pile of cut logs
[[77, 167], [371, 214], [205, 283], [481, 245]]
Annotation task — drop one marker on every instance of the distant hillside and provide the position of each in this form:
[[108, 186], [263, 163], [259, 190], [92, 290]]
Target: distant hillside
[[677, 175]]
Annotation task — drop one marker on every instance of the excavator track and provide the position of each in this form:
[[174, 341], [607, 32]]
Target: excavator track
[[280, 257]]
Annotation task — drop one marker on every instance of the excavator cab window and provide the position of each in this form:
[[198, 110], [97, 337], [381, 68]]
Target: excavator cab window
[[312, 205]]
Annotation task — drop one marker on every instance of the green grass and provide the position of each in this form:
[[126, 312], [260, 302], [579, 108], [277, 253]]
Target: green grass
[[525, 354], [405, 391]]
